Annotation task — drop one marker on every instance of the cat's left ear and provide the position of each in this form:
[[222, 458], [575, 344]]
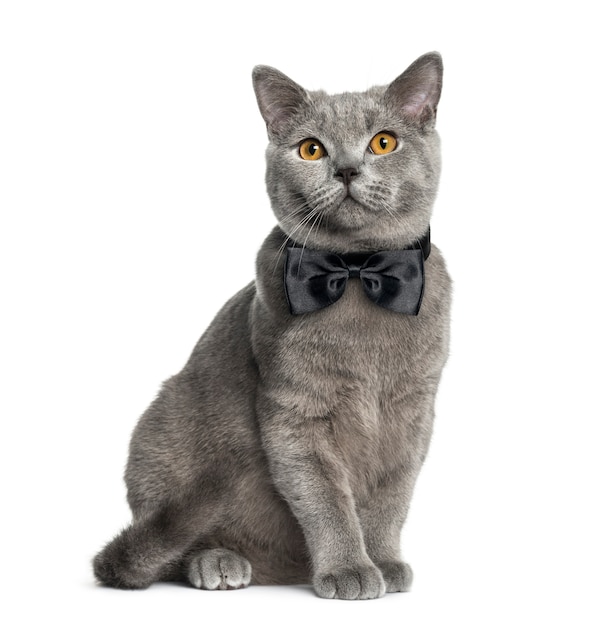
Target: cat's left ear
[[279, 98], [415, 93]]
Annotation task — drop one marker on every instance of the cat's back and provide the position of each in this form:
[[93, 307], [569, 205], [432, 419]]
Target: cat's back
[[203, 418]]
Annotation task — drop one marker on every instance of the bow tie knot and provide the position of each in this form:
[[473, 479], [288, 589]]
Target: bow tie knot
[[393, 279]]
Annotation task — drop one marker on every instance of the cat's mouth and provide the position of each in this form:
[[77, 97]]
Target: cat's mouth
[[350, 212], [351, 200], [351, 203]]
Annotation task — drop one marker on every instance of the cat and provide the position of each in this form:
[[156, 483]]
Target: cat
[[287, 448]]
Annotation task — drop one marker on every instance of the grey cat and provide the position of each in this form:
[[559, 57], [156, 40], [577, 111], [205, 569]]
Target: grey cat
[[286, 450]]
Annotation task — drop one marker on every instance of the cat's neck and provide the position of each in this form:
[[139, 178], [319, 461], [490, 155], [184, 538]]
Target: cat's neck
[[344, 245]]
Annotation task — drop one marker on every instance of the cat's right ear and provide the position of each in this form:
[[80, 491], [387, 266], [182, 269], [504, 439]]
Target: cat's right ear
[[279, 98]]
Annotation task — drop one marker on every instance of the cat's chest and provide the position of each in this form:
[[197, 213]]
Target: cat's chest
[[352, 349], [365, 373], [354, 334], [353, 364]]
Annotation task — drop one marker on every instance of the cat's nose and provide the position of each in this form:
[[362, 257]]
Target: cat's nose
[[347, 174]]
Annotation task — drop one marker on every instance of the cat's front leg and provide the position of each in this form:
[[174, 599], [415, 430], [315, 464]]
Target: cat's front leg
[[309, 475], [382, 518]]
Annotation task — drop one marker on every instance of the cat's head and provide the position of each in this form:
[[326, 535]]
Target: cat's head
[[353, 171]]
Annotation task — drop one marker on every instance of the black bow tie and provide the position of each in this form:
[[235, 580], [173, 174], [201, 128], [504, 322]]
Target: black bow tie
[[393, 279]]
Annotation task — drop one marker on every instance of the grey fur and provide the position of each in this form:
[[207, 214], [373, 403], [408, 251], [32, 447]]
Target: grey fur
[[290, 445], [219, 569]]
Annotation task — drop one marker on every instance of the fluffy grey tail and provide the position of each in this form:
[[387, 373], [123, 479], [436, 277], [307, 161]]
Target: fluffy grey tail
[[148, 550]]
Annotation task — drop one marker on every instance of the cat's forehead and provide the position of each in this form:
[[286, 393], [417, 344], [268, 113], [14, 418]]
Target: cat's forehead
[[352, 113]]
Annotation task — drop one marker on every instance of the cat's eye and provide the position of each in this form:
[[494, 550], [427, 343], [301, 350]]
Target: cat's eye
[[383, 143], [311, 150]]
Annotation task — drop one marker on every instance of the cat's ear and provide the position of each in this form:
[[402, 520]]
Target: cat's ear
[[415, 93], [278, 96]]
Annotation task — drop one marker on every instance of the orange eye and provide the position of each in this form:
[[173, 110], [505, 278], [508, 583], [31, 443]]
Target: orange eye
[[383, 143], [311, 150]]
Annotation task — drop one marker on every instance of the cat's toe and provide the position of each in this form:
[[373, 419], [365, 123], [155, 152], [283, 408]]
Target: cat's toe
[[398, 575], [359, 583], [219, 568]]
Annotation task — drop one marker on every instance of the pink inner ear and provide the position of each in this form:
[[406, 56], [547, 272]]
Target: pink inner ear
[[416, 103]]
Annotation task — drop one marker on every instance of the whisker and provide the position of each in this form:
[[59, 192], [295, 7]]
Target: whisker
[[317, 203], [383, 204], [302, 223], [306, 238], [322, 215], [297, 211]]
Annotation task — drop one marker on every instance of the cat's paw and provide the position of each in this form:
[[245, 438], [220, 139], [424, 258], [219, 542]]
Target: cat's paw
[[358, 583], [219, 569], [397, 575]]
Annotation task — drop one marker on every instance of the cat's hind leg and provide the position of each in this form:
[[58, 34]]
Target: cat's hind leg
[[218, 568]]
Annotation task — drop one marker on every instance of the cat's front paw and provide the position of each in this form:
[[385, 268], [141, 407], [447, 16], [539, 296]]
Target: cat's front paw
[[397, 575], [357, 583]]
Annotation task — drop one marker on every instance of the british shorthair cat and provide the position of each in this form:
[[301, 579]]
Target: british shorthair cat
[[287, 448]]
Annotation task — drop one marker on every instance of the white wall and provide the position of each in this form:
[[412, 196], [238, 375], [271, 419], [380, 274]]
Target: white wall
[[116, 121]]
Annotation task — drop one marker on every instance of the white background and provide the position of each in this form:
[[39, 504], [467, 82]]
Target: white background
[[131, 160]]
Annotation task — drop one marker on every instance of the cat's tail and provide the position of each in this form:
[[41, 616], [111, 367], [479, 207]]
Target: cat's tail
[[149, 549]]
